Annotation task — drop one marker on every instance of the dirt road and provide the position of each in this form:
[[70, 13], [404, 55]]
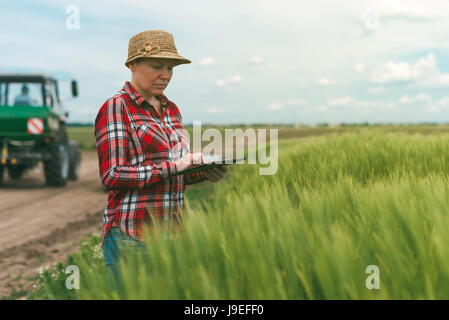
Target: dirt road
[[40, 225]]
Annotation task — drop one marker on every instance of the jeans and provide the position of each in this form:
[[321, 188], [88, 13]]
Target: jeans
[[115, 243]]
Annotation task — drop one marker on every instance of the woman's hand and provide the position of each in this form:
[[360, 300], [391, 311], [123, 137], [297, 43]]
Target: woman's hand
[[190, 160], [216, 173]]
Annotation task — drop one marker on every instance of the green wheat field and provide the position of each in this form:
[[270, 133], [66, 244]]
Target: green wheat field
[[339, 202]]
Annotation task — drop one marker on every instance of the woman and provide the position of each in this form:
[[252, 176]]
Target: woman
[[140, 145]]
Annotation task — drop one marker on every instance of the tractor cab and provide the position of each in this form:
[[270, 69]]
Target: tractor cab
[[32, 128], [32, 90]]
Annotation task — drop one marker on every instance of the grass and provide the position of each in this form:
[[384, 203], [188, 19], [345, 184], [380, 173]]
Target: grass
[[84, 136], [51, 283], [337, 204]]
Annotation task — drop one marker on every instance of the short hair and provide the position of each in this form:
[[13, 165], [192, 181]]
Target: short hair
[[137, 60], [25, 88]]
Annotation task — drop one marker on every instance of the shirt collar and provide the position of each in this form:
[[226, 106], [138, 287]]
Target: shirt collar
[[138, 99]]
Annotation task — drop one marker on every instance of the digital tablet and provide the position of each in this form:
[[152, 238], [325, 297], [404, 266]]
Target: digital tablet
[[212, 162]]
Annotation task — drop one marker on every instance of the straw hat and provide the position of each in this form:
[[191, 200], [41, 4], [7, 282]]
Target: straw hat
[[153, 44]]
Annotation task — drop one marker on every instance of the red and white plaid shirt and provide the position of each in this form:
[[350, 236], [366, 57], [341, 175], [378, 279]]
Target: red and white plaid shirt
[[137, 151]]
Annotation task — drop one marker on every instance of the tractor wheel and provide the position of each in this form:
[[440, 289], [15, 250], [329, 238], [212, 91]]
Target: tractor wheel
[[57, 167], [75, 159], [15, 172]]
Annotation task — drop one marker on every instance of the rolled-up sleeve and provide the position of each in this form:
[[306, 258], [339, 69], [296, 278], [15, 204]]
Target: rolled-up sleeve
[[112, 129]]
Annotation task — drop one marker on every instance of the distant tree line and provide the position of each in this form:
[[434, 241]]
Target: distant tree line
[[286, 125]]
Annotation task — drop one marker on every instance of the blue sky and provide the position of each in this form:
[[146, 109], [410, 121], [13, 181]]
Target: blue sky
[[252, 61]]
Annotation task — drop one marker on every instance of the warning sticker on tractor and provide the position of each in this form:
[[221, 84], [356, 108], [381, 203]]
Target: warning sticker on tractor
[[35, 126]]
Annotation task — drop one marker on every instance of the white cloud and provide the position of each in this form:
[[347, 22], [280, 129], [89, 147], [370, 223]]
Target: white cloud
[[421, 98], [443, 79], [395, 72], [425, 102], [275, 106], [220, 82], [444, 102], [256, 60], [433, 109], [367, 105], [412, 9], [376, 90], [297, 102], [359, 67], [217, 110], [235, 79], [207, 61], [405, 10], [375, 104], [225, 82], [323, 82], [424, 72], [438, 105], [405, 100], [342, 102]]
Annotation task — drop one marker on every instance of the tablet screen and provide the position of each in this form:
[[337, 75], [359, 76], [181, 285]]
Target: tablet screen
[[212, 163]]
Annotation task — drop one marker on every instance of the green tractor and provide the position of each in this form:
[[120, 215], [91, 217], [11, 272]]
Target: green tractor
[[32, 129]]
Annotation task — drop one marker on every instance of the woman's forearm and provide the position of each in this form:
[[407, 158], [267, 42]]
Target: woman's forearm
[[136, 177]]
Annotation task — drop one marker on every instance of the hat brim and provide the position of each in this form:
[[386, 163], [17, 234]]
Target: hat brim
[[177, 58]]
